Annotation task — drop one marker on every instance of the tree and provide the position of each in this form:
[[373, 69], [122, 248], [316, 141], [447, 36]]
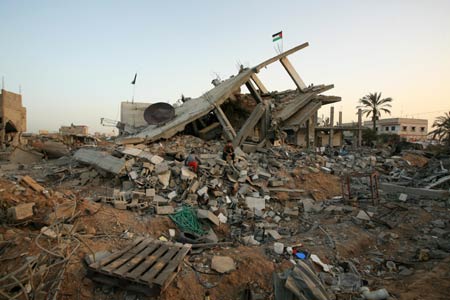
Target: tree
[[372, 104], [442, 125]]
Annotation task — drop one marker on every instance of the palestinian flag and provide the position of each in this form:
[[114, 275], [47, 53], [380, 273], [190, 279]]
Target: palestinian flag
[[277, 36]]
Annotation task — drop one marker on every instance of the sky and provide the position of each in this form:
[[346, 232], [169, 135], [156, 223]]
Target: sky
[[74, 61]]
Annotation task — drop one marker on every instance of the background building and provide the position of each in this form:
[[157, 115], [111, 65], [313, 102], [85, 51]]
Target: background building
[[410, 129], [74, 130]]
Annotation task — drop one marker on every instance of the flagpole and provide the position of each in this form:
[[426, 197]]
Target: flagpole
[[132, 98]]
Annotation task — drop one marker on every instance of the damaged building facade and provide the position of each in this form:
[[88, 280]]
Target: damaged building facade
[[13, 116], [249, 120]]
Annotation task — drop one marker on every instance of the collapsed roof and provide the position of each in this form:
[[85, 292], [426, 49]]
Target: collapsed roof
[[292, 114]]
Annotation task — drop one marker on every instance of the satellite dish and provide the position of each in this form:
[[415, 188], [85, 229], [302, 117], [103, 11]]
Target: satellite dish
[[158, 113]]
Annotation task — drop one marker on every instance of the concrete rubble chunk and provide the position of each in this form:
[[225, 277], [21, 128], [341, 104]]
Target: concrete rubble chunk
[[156, 159], [150, 193], [223, 264], [366, 216], [21, 211], [187, 174], [274, 234], [164, 179], [101, 160], [206, 214], [255, 203], [403, 197], [161, 168], [120, 204], [202, 191], [159, 199], [164, 210], [48, 232]]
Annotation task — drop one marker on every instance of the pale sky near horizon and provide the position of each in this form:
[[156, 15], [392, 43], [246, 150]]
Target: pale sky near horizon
[[74, 60]]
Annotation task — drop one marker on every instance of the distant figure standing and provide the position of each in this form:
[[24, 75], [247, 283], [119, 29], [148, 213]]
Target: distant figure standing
[[228, 151], [192, 161]]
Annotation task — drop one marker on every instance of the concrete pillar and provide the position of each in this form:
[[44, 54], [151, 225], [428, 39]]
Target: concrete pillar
[[259, 84], [308, 123], [359, 127], [330, 136], [226, 125], [315, 120], [340, 118]]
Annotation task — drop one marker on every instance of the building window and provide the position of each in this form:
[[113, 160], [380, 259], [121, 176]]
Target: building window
[[392, 128], [386, 128], [413, 128], [404, 128], [422, 129]]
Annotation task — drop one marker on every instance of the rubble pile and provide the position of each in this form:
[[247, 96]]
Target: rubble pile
[[307, 225]]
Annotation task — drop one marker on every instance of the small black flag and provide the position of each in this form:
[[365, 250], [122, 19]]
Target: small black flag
[[134, 80]]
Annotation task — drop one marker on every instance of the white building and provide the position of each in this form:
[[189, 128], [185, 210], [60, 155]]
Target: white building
[[410, 129]]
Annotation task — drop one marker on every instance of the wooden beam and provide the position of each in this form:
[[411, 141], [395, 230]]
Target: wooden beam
[[253, 91], [226, 125], [259, 84], [293, 73], [249, 125], [278, 57]]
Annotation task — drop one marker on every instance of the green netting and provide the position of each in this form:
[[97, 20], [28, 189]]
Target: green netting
[[186, 220]]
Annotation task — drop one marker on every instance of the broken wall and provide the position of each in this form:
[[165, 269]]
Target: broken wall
[[11, 109], [132, 114]]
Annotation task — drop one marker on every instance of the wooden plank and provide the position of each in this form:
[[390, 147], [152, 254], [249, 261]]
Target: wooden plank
[[170, 268], [160, 264], [293, 73], [32, 183], [126, 256], [278, 57], [137, 259], [147, 263], [249, 124], [115, 255]]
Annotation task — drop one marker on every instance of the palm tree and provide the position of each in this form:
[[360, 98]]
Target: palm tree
[[372, 104], [442, 125]]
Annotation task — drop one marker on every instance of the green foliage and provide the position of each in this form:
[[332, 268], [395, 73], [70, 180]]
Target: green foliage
[[372, 105], [368, 136], [442, 131], [388, 138]]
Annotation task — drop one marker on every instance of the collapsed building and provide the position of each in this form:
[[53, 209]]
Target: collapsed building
[[248, 120], [13, 116]]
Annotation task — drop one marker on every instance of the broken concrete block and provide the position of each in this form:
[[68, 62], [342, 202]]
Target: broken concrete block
[[164, 179], [222, 218], [172, 195], [161, 168], [21, 211], [156, 159], [206, 214], [164, 210], [148, 166], [362, 215], [99, 159], [223, 264], [274, 234], [159, 199], [120, 204], [150, 193], [133, 175], [275, 183], [255, 203], [263, 175], [402, 197], [49, 232], [291, 211], [250, 240], [187, 174], [202, 191]]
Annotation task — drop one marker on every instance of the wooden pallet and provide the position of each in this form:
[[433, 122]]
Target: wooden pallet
[[147, 266]]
